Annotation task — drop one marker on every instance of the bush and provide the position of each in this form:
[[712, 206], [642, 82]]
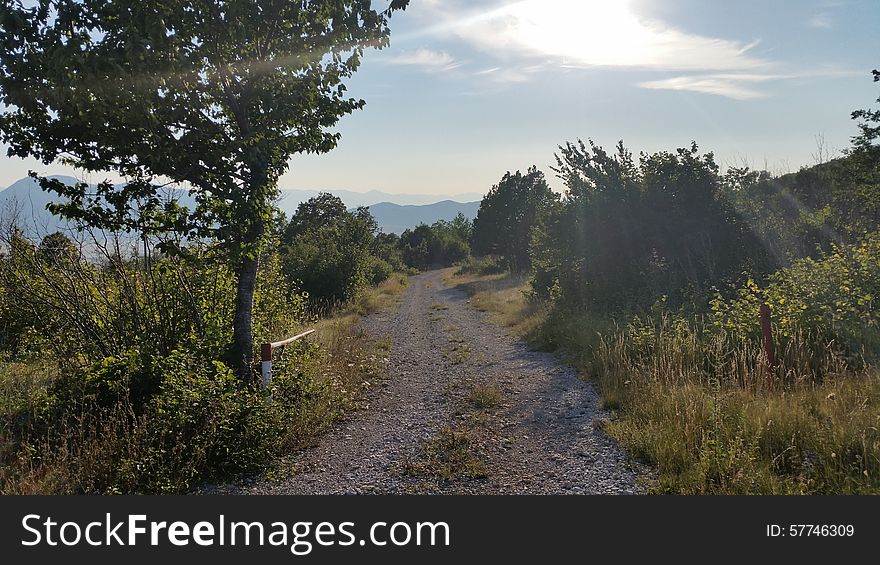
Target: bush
[[138, 401], [94, 434], [203, 425], [327, 251], [831, 298], [439, 245], [379, 270], [482, 266], [628, 232]]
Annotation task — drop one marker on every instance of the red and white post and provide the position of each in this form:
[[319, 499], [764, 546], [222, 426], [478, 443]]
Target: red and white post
[[266, 364], [266, 351]]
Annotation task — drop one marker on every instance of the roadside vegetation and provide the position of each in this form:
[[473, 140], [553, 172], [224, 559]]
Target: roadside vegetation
[[648, 275], [113, 376], [128, 345]]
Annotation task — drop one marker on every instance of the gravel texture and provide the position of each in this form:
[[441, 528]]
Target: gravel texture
[[540, 436]]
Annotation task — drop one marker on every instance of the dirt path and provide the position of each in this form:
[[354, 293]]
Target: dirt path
[[467, 409]]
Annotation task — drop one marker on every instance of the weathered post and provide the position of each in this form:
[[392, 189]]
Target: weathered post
[[767, 333], [266, 351]]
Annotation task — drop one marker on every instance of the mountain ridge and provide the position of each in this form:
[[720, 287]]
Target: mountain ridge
[[394, 212]]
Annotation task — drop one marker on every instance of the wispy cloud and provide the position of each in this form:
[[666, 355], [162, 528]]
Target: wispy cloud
[[426, 59], [739, 86], [820, 21], [504, 75], [736, 86], [527, 38]]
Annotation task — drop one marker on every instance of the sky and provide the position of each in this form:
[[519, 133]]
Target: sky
[[471, 89]]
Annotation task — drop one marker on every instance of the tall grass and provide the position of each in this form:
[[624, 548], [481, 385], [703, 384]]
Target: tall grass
[[700, 404], [705, 409]]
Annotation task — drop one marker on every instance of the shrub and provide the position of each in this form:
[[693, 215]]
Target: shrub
[[831, 298], [487, 265], [379, 270], [441, 244], [203, 425], [327, 251]]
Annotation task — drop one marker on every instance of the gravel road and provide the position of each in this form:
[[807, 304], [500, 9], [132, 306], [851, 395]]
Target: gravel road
[[537, 437]]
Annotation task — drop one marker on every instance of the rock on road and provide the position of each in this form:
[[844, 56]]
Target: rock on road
[[542, 437]]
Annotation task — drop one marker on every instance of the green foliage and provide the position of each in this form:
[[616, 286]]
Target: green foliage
[[486, 265], [507, 215], [626, 233], [439, 245], [141, 403], [832, 298], [160, 90], [869, 127], [88, 310], [202, 426], [156, 91], [330, 253]]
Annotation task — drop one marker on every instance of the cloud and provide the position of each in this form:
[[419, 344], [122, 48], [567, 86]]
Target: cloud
[[820, 21], [505, 75], [425, 58], [739, 86], [525, 38], [587, 33], [734, 86]]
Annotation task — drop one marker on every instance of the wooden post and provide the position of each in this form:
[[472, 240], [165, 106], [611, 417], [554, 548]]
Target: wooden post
[[266, 351], [767, 333], [266, 363]]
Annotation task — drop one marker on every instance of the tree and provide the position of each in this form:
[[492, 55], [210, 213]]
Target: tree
[[327, 250], [439, 245], [861, 206], [213, 94], [507, 214], [869, 125], [630, 232]]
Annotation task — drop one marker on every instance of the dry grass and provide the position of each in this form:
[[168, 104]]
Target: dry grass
[[713, 420], [451, 454], [459, 349], [504, 297], [348, 362], [703, 409], [383, 298], [347, 365], [485, 397]]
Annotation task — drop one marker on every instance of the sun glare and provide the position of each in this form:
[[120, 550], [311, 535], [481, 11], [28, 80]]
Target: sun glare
[[598, 32]]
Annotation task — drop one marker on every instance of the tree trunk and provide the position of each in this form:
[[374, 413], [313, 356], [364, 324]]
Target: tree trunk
[[242, 323]]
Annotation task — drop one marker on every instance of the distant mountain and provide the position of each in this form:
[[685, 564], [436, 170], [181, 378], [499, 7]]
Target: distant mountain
[[394, 212], [394, 218], [290, 199], [25, 202]]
